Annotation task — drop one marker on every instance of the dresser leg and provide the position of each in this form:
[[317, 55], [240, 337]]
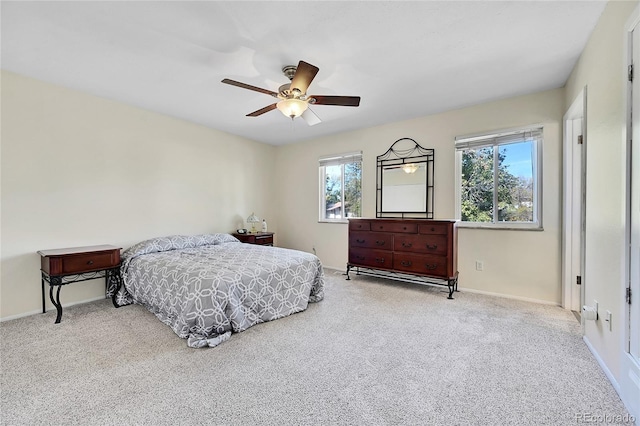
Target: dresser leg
[[347, 274], [451, 286], [56, 302]]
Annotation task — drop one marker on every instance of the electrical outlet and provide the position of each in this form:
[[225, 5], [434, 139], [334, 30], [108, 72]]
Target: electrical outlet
[[479, 265]]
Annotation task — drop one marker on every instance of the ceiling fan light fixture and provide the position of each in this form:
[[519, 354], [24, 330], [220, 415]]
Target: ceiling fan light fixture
[[410, 168], [292, 107], [293, 99]]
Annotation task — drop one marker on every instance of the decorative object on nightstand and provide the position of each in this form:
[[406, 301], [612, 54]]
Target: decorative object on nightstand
[[253, 219], [65, 266], [264, 225]]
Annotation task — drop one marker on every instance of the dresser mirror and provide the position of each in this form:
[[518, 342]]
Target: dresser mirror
[[404, 185]]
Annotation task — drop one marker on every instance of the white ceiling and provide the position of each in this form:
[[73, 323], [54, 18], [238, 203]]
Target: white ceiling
[[405, 59]]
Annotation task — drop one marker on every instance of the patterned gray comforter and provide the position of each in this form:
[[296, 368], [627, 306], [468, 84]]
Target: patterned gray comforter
[[207, 286]]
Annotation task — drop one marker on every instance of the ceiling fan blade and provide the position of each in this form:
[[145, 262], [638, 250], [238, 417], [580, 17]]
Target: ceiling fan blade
[[250, 87], [310, 117], [353, 101], [262, 110], [305, 73]]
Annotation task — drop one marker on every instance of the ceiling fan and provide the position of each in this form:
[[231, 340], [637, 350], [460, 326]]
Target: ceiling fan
[[294, 101]]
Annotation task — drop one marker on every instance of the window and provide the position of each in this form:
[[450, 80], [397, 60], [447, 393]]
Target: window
[[340, 187], [499, 179]]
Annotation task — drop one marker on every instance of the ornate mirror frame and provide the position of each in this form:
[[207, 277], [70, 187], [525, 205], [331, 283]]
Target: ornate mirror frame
[[407, 155]]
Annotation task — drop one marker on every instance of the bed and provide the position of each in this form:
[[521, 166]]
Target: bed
[[206, 287]]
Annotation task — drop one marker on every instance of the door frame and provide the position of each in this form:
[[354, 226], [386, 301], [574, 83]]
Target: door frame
[[577, 110], [629, 380]]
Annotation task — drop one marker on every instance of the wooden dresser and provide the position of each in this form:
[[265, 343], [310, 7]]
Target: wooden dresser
[[418, 250]]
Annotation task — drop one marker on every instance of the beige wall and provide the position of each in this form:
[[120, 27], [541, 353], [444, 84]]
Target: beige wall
[[80, 170], [523, 264], [601, 69]]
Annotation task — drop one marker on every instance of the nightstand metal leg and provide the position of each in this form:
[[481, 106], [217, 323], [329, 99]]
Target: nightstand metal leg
[[43, 303], [115, 282], [56, 302]]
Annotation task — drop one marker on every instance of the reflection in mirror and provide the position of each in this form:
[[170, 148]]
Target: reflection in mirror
[[405, 181], [404, 188]]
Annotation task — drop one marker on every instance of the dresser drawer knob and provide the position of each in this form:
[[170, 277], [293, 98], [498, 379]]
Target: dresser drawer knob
[[407, 245], [359, 241], [433, 229], [360, 257], [432, 247], [431, 266], [406, 263], [380, 242], [90, 262], [380, 259]]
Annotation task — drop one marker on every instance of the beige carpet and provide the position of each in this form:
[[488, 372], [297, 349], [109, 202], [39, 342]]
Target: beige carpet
[[374, 352]]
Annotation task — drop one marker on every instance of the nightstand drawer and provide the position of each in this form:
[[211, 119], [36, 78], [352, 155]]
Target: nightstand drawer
[[80, 262], [264, 240], [89, 261], [259, 238]]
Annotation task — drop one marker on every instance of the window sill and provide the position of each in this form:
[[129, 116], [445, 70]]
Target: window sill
[[343, 221], [500, 227]]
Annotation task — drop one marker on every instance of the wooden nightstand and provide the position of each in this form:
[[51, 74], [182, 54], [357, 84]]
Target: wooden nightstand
[[259, 238], [70, 265]]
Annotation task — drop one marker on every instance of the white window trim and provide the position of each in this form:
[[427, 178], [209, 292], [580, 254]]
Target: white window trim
[[479, 138], [332, 160]]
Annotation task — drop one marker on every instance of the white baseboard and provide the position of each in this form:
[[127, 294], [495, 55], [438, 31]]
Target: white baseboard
[[487, 293], [602, 365], [509, 296], [343, 270], [66, 305]]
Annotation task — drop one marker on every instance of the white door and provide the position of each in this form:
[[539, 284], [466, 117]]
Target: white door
[[577, 224], [630, 360], [573, 220]]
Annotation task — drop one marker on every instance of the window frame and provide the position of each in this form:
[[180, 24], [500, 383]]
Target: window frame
[[334, 160], [496, 139]]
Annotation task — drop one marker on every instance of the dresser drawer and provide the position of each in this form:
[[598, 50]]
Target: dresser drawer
[[79, 263], [382, 226], [429, 244], [379, 240], [420, 264], [359, 225], [434, 228], [373, 258]]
